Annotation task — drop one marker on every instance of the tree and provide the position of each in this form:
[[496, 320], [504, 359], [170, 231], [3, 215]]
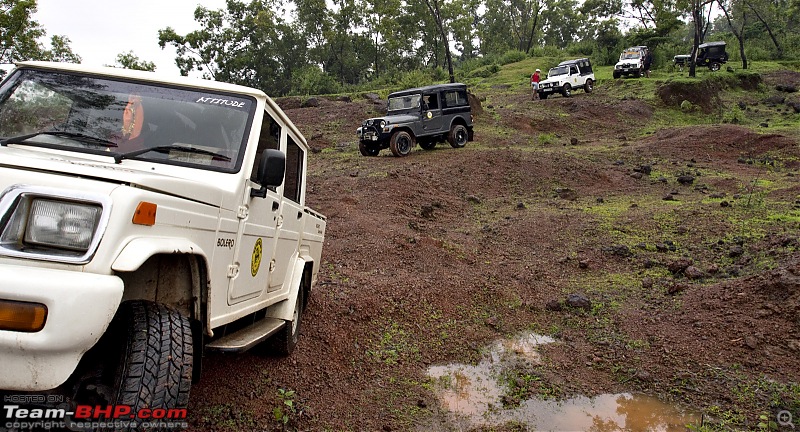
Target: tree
[[739, 33], [436, 12], [129, 60], [18, 31], [699, 24], [247, 43]]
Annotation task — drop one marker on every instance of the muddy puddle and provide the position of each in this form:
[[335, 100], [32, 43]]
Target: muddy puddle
[[476, 394]]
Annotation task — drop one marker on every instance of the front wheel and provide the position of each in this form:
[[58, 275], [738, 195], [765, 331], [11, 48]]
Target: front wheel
[[616, 75], [458, 136], [143, 361], [543, 96], [588, 86], [567, 90], [367, 150], [714, 66], [401, 143]]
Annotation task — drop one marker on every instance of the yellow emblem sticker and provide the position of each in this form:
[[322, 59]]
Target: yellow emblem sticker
[[255, 260]]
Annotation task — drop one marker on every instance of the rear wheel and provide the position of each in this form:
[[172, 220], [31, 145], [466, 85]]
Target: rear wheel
[[567, 90], [285, 341], [401, 143], [367, 150], [714, 66], [588, 86], [458, 136]]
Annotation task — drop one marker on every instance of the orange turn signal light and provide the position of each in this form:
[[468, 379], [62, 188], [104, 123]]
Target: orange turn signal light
[[145, 213], [22, 316]]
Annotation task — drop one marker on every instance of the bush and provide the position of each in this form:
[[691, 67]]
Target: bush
[[512, 56], [311, 80], [484, 71]]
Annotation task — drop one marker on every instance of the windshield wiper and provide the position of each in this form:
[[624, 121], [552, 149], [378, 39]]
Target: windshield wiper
[[166, 149], [86, 139]]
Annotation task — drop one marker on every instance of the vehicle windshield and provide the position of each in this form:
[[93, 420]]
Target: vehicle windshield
[[631, 55], [73, 112], [404, 102], [556, 71]]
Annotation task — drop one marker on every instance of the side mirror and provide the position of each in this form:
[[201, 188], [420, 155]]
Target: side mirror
[[271, 169]]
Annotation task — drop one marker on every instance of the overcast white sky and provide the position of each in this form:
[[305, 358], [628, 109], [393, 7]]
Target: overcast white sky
[[101, 29]]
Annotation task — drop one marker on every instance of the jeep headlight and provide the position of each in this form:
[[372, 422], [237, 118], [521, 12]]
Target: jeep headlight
[[383, 123], [51, 227]]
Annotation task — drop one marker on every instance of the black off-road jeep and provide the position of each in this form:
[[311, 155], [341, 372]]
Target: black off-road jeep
[[425, 115], [711, 55]]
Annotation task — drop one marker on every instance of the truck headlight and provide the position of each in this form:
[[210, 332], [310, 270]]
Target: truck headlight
[[61, 227], [61, 224]]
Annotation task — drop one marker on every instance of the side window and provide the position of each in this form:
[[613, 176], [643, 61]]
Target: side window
[[294, 171], [573, 70], [270, 138], [431, 102], [455, 98]]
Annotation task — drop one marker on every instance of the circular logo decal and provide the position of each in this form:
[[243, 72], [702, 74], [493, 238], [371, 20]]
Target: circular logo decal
[[255, 259], [430, 114]]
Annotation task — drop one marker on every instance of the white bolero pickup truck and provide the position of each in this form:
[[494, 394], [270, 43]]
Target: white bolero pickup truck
[[143, 220]]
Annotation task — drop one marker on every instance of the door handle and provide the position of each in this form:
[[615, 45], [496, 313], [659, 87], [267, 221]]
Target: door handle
[[275, 205], [299, 215]]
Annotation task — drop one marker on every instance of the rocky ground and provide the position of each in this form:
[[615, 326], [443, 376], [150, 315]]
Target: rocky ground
[[660, 256]]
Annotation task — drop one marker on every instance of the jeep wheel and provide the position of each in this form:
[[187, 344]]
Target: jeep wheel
[[427, 144], [367, 150], [285, 341], [543, 96], [714, 66], [567, 90], [458, 136], [588, 86], [401, 143], [144, 360], [616, 75]]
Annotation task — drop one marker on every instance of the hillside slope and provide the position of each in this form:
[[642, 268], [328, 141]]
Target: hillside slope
[[681, 231]]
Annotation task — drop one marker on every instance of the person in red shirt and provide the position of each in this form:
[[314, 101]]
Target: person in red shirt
[[535, 84]]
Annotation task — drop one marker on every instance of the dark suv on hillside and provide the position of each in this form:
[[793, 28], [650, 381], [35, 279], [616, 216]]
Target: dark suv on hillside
[[424, 115], [711, 55]]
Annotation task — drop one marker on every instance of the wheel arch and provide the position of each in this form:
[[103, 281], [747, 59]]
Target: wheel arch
[[301, 279]]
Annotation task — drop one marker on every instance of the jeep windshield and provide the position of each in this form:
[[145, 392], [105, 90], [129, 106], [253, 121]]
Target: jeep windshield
[[404, 103], [556, 71], [121, 119], [631, 55]]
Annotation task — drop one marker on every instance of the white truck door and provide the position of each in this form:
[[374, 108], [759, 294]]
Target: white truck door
[[258, 226], [292, 217]]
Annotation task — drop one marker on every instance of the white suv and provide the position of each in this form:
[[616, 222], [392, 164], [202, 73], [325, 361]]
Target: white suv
[[565, 77], [631, 62]]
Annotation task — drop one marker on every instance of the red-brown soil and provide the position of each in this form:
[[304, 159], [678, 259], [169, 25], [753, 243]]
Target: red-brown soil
[[430, 257]]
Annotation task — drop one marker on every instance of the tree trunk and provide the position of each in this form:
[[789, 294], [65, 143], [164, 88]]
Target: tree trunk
[[533, 29], [769, 30], [433, 6], [738, 33]]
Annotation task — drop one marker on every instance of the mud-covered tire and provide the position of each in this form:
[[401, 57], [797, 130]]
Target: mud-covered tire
[[427, 144], [367, 150], [566, 91], [285, 341], [588, 86], [401, 143], [156, 357], [458, 136]]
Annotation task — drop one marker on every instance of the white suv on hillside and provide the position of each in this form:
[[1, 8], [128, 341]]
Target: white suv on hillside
[[565, 77]]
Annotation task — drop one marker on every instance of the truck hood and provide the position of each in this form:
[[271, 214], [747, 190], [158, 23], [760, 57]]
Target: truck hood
[[394, 119], [555, 80], [155, 178], [634, 62]]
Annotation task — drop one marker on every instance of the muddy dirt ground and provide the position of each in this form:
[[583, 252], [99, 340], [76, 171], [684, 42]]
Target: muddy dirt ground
[[679, 242]]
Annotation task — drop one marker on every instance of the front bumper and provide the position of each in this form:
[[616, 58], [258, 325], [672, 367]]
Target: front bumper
[[79, 308]]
